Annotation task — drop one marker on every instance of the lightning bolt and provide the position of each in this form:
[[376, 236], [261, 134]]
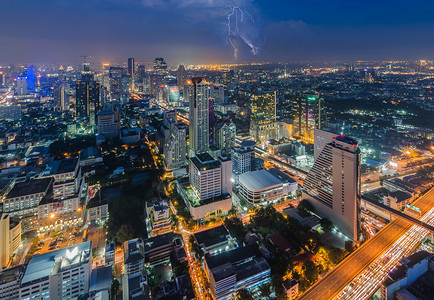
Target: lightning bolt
[[237, 13]]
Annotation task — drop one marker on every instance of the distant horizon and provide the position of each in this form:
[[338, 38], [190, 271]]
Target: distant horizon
[[210, 31], [170, 63]]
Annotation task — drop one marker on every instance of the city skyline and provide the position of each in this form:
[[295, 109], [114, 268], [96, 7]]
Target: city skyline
[[198, 31], [216, 150]]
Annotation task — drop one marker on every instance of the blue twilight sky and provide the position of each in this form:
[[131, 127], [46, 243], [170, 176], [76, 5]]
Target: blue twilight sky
[[200, 31]]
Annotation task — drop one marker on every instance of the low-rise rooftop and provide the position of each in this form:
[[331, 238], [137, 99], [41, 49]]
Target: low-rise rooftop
[[50, 263], [258, 180], [212, 236], [30, 187]]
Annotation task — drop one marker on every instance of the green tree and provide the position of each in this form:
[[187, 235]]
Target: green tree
[[310, 271], [115, 287], [304, 204], [265, 290], [125, 210], [125, 233], [236, 228], [335, 254], [349, 246], [197, 251], [326, 224], [244, 294]]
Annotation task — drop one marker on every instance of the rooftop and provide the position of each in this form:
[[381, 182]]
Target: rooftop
[[212, 236], [280, 242], [233, 257], [63, 166], [241, 261], [258, 180], [12, 274], [400, 196], [204, 161], [289, 283], [97, 201], [30, 187], [100, 279], [90, 152], [400, 271], [416, 258], [280, 175], [346, 139], [52, 262], [160, 240]]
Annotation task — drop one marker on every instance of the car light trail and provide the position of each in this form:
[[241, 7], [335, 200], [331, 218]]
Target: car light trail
[[368, 281]]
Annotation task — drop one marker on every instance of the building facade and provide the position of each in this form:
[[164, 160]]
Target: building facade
[[109, 123], [263, 116], [23, 200], [262, 187], [333, 185], [243, 158], [159, 218], [87, 98], [306, 114], [234, 270], [198, 95], [225, 134], [60, 274], [175, 147]]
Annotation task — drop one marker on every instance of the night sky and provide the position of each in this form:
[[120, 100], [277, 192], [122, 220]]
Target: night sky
[[196, 31]]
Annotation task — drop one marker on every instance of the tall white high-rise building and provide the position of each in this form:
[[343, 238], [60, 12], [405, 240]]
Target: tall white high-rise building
[[333, 184], [198, 95]]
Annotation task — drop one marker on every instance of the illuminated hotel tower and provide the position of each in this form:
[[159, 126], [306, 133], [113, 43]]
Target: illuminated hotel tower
[[333, 184]]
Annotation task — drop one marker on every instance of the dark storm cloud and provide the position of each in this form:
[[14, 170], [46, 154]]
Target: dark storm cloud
[[191, 31]]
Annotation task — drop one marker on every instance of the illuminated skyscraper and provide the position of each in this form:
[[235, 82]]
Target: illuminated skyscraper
[[131, 66], [86, 74], [225, 133], [61, 97], [4, 240], [87, 98], [175, 147], [218, 94], [181, 77], [333, 184], [119, 82], [263, 116], [21, 87], [30, 79], [160, 66], [306, 114], [211, 114], [155, 84], [198, 95]]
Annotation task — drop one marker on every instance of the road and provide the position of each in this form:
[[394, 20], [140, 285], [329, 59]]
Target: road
[[369, 280], [342, 275]]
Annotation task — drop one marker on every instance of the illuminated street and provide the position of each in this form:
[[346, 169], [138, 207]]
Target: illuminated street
[[362, 259]]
